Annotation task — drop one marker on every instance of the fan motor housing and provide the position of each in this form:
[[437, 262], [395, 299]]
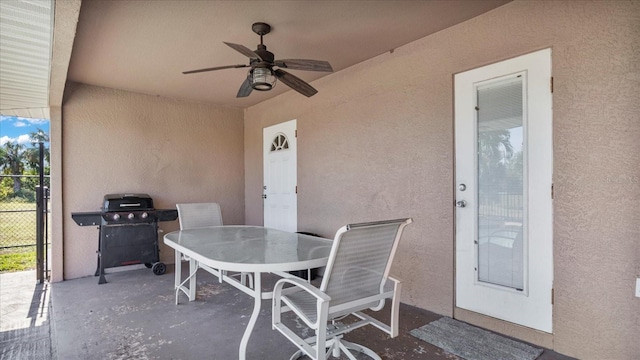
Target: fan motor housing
[[264, 54]]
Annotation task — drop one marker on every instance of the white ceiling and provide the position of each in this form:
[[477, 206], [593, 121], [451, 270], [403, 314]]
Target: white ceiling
[[143, 46], [25, 50]]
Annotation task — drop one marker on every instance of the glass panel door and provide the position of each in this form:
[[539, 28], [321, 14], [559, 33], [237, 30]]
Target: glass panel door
[[504, 173], [501, 193]]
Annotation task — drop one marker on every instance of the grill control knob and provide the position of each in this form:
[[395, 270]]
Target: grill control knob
[[144, 215], [116, 217], [130, 216]]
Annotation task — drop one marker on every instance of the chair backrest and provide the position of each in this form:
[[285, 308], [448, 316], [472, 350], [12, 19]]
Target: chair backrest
[[198, 215], [360, 260]]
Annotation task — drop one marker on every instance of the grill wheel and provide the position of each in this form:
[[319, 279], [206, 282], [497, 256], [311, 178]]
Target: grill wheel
[[159, 268]]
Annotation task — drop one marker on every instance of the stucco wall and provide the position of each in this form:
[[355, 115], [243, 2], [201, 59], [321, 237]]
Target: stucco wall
[[55, 191], [117, 141], [377, 142]]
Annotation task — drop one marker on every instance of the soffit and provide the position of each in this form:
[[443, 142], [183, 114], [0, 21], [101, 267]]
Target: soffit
[[25, 53]]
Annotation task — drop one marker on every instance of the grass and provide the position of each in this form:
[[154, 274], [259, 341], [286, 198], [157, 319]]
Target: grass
[[17, 223], [14, 260], [17, 228]]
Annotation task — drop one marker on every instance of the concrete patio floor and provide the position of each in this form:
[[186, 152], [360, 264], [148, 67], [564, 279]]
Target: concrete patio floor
[[134, 316], [24, 317]]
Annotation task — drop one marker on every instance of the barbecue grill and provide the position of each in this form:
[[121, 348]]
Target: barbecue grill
[[127, 232]]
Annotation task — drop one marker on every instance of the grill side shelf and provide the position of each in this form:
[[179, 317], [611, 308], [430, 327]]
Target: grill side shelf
[[87, 218], [167, 214]]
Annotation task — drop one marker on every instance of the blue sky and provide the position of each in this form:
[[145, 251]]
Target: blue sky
[[17, 129]]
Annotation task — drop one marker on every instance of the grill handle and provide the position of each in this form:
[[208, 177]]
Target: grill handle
[[130, 205]]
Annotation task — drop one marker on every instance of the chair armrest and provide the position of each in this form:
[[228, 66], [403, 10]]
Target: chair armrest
[[277, 291], [322, 301], [392, 285]]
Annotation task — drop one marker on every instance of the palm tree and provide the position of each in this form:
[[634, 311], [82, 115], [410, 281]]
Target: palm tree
[[32, 155], [38, 136], [494, 153], [3, 154], [495, 147], [12, 163]]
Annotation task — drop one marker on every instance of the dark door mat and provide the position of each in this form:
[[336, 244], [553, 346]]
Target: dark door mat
[[473, 343]]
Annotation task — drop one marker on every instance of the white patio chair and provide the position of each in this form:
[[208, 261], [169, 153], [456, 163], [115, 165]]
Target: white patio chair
[[356, 278], [199, 215]]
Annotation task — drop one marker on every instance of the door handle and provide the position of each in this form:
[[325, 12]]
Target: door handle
[[461, 204], [264, 196]]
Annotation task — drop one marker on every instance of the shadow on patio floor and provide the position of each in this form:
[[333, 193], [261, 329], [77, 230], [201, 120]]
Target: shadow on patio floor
[[24, 317], [134, 316]]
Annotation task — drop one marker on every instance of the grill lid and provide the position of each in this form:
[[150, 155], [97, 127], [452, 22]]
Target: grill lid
[[127, 202]]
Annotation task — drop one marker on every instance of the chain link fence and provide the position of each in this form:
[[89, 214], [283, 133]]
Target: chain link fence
[[18, 221], [17, 224]]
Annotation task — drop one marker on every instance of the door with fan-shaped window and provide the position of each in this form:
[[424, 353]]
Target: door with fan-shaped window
[[280, 177]]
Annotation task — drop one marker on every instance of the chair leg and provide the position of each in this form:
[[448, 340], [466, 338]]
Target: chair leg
[[346, 346], [243, 279], [296, 355], [337, 346]]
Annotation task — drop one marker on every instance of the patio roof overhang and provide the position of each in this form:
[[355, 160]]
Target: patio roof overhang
[[25, 57], [36, 39]]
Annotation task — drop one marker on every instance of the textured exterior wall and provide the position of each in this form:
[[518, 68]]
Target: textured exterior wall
[[66, 18], [55, 191], [117, 141], [377, 142], [597, 177]]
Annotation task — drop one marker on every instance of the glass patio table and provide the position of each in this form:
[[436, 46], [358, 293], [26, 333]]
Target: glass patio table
[[245, 249]]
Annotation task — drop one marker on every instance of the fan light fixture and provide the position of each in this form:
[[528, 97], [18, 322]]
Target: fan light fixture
[[262, 79]]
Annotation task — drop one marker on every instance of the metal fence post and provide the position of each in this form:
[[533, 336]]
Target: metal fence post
[[40, 216], [39, 235]]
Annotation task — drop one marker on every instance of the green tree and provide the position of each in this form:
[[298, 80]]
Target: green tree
[[39, 136], [515, 168], [495, 147], [494, 153], [3, 181], [32, 155], [12, 163], [3, 154]]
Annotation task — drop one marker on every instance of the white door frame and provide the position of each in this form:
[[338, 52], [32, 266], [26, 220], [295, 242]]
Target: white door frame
[[532, 305]]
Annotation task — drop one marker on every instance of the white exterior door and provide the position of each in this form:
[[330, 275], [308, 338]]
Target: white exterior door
[[280, 177], [504, 163]]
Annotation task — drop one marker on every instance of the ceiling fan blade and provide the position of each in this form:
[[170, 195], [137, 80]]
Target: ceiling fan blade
[[215, 68], [245, 88], [295, 83], [244, 50], [304, 64]]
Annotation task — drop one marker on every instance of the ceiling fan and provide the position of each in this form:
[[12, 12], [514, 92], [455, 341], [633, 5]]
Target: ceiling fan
[[262, 76]]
